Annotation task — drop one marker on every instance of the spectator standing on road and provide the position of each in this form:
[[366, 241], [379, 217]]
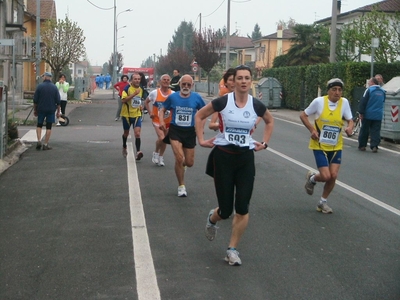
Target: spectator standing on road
[[231, 162], [143, 85], [131, 113], [326, 138], [227, 86], [153, 104], [181, 133], [97, 80], [63, 87], [175, 81], [46, 101], [101, 81], [379, 77], [120, 86], [107, 80], [371, 114]]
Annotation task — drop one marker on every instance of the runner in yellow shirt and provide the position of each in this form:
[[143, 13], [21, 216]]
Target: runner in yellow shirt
[[131, 113]]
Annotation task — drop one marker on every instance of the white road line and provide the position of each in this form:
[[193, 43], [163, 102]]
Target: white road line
[[146, 280], [347, 187]]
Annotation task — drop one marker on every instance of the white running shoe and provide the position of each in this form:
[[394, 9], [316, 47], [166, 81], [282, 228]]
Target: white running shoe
[[182, 191], [232, 257], [161, 161], [155, 158]]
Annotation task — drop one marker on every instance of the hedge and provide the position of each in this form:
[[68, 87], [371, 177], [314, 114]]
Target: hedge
[[300, 84]]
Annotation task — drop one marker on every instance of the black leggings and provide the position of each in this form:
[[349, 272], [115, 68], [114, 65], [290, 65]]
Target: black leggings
[[63, 105], [233, 171]]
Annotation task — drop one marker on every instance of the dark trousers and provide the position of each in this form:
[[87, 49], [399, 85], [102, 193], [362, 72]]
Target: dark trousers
[[234, 180], [63, 105], [370, 128]]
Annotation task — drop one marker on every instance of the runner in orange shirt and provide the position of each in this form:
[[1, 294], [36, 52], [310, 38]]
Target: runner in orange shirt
[[226, 85], [153, 103]]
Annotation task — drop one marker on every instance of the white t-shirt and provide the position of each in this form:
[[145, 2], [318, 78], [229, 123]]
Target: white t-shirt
[[153, 95], [317, 105]]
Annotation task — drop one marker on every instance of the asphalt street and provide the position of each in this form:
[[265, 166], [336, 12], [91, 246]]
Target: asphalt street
[[82, 222]]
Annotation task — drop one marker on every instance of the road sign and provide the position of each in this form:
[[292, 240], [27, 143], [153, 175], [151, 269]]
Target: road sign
[[8, 42]]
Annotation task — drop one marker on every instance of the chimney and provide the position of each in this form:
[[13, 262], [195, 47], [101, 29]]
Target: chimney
[[279, 32]]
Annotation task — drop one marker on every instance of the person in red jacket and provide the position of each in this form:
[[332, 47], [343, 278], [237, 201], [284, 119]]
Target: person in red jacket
[[119, 86]]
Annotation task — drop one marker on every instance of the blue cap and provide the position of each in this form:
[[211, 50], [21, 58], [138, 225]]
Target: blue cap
[[48, 74]]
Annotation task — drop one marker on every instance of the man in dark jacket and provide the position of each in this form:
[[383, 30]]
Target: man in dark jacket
[[45, 103], [371, 114], [175, 81]]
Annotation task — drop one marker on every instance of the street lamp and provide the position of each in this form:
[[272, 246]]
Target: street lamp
[[114, 76], [228, 26], [374, 44]]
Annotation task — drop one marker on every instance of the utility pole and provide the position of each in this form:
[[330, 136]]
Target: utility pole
[[38, 54], [228, 49], [200, 23], [114, 71], [332, 55], [184, 41]]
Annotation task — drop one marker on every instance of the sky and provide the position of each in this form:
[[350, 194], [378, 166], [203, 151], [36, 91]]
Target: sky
[[151, 24]]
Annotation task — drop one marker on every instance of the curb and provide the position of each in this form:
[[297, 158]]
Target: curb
[[12, 155]]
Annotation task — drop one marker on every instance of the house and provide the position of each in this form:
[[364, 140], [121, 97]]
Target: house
[[12, 30], [47, 12], [270, 46], [387, 6], [79, 69], [240, 49], [95, 70]]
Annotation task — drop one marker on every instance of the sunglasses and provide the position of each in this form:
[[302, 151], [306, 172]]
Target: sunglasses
[[186, 84], [243, 67]]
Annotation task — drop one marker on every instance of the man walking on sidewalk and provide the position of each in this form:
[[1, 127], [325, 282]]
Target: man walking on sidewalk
[[371, 115], [46, 101]]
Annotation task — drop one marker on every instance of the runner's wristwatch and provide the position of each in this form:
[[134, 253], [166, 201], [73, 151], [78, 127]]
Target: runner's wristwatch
[[265, 145]]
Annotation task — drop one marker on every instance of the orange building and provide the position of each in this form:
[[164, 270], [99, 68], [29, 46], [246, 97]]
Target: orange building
[[47, 11], [271, 46]]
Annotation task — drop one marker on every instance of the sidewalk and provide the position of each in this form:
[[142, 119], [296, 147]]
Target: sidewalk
[[23, 114]]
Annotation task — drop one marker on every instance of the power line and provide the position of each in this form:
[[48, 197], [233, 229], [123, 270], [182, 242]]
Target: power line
[[99, 6], [215, 10]]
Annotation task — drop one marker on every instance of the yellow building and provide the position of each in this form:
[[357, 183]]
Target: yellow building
[[47, 11], [271, 46]]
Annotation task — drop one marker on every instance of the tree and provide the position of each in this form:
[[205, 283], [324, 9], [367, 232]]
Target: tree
[[63, 41], [148, 63], [120, 63], [177, 59], [287, 24], [206, 47], [105, 68], [183, 38], [358, 35], [311, 45], [280, 61], [256, 34]]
